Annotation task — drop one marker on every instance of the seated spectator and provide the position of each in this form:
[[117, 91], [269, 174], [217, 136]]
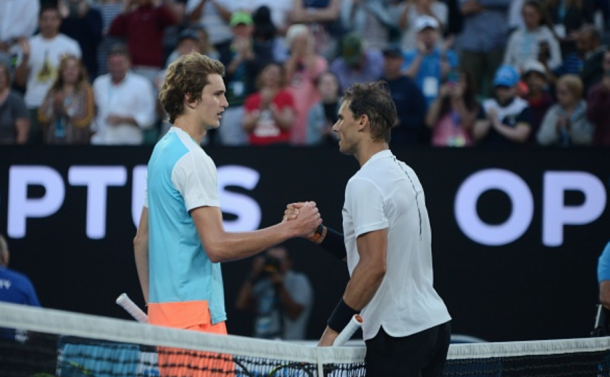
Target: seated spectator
[[324, 114], [213, 15], [193, 39], [453, 114], [356, 63], [109, 9], [598, 106], [281, 297], [603, 278], [18, 20], [14, 119], [535, 41], [409, 11], [142, 24], [16, 288], [302, 68], [322, 17], [83, 24], [371, 19], [68, 108], [566, 123], [270, 112], [537, 96], [429, 64], [39, 61], [509, 117], [410, 127], [125, 103], [592, 51]]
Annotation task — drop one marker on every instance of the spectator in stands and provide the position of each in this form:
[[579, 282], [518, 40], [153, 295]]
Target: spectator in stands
[[324, 114], [18, 20], [537, 96], [215, 16], [83, 24], [568, 16], [566, 123], [41, 55], [509, 117], [109, 9], [302, 68], [429, 64], [142, 24], [410, 127], [370, 19], [68, 108], [483, 40], [598, 105], [14, 119], [281, 297], [322, 17], [535, 41], [193, 39], [280, 11], [515, 15], [356, 63], [454, 113], [125, 103], [603, 278], [15, 287], [592, 51], [244, 61], [270, 113], [409, 11], [266, 34]]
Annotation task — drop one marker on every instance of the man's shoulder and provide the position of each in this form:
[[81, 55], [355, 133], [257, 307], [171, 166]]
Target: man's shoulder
[[14, 276], [139, 81]]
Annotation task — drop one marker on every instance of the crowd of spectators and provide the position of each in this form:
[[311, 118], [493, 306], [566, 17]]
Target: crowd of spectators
[[462, 72]]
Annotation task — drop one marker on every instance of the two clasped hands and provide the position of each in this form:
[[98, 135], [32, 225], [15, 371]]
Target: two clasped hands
[[302, 211]]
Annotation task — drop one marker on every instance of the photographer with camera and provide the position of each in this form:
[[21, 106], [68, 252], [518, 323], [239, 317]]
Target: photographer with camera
[[281, 297]]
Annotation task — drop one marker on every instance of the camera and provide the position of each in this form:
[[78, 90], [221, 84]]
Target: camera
[[272, 265]]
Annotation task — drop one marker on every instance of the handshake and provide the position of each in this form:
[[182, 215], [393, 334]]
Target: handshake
[[302, 219]]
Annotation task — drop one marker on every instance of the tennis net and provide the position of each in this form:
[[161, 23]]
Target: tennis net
[[44, 342]]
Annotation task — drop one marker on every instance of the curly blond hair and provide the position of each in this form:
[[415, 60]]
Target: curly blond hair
[[186, 76]]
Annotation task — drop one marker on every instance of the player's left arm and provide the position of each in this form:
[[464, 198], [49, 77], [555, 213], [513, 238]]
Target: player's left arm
[[366, 278], [140, 247]]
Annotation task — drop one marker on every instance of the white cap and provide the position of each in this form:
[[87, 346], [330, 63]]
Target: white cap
[[533, 66], [424, 21]]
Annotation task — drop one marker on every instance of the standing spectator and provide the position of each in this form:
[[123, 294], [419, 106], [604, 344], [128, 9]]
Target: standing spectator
[[302, 68], [194, 38], [429, 64], [281, 297], [215, 16], [18, 20], [592, 51], [598, 105], [266, 34], [68, 108], [270, 112], [323, 115], [83, 24], [454, 113], [39, 61], [509, 118], [515, 15], [322, 17], [142, 24], [14, 119], [410, 127], [566, 123], [409, 11], [535, 41], [568, 16], [483, 40], [280, 11], [356, 63], [371, 19], [125, 103], [244, 62], [109, 9], [16, 288], [537, 96], [603, 278]]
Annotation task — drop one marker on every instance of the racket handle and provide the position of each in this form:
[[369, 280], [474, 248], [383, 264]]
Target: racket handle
[[130, 307], [348, 331]]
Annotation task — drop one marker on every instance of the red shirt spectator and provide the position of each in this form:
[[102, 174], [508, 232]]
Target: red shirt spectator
[[142, 24], [266, 130]]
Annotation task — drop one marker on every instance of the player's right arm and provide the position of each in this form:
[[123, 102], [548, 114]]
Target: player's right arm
[[140, 247], [222, 246]]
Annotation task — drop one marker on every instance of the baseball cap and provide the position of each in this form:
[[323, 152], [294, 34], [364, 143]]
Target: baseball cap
[[241, 18], [506, 75], [188, 34], [351, 49], [533, 66], [392, 52], [424, 21]]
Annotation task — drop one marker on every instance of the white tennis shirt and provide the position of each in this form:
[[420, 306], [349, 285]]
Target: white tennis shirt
[[386, 194]]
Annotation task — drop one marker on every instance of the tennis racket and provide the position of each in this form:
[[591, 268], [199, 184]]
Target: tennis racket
[[130, 307]]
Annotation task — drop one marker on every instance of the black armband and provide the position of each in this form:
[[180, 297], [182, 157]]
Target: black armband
[[334, 243], [341, 316]]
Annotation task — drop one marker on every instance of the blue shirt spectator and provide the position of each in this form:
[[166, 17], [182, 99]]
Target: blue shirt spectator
[[603, 265], [356, 64], [15, 288]]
